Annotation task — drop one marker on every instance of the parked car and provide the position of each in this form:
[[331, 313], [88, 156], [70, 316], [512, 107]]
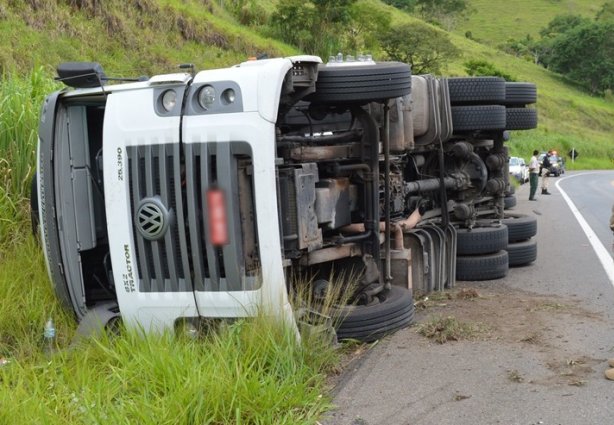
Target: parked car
[[518, 169], [557, 164]]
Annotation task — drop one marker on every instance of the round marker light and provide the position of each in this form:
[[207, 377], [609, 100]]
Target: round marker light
[[169, 100], [206, 97], [228, 96]]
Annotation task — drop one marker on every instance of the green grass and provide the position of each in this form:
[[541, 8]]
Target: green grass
[[20, 103], [248, 372], [494, 22], [126, 38], [28, 300]]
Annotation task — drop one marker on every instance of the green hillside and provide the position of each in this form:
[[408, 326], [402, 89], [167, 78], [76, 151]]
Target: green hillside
[[494, 21], [568, 116], [154, 36], [129, 38]]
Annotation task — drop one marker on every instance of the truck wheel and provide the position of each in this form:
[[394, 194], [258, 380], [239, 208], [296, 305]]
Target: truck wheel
[[509, 202], [362, 83], [520, 227], [476, 90], [391, 311], [520, 118], [522, 253], [34, 205], [480, 117], [482, 267], [481, 240], [520, 94]]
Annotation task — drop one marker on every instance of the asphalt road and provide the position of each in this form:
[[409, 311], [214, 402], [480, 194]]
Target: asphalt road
[[593, 195], [406, 379]]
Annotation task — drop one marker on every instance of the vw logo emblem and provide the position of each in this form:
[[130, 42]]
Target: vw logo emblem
[[152, 218]]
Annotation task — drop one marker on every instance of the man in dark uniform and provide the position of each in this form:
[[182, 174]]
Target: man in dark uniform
[[533, 175], [545, 169]]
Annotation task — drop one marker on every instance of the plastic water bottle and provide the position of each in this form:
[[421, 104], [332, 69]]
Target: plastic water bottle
[[49, 336]]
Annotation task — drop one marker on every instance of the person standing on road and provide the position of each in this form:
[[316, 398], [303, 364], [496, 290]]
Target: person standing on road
[[545, 168], [533, 175]]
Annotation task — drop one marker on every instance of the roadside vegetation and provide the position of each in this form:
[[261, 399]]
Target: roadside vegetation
[[250, 371]]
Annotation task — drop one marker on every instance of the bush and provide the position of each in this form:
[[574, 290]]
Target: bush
[[484, 68]]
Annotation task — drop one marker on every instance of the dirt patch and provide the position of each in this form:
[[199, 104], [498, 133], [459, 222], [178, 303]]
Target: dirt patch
[[510, 315], [520, 318], [487, 312]]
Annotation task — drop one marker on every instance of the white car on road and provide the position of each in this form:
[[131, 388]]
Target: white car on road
[[519, 169]]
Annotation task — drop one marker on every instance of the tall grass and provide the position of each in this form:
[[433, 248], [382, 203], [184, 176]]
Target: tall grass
[[250, 372], [20, 103], [27, 301]]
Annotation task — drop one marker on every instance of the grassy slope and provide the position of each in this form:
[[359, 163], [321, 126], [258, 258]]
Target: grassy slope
[[168, 32], [495, 21], [568, 116], [125, 39]]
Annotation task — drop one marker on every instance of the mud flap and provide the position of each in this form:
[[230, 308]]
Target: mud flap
[[451, 250], [420, 244]]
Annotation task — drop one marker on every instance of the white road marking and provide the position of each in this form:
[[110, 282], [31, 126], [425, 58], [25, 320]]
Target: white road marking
[[602, 253]]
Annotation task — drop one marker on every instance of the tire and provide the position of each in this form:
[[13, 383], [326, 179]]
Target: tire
[[522, 253], [394, 311], [34, 218], [482, 267], [476, 90], [481, 117], [481, 240], [509, 202], [517, 94], [361, 84], [520, 118], [520, 227]]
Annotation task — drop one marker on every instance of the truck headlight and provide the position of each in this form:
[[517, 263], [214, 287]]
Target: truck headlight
[[228, 96], [169, 100], [206, 97]]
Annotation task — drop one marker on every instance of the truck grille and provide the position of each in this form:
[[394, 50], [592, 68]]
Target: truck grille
[[183, 259]]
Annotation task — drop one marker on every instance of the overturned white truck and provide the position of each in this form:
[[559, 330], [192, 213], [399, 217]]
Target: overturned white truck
[[199, 195]]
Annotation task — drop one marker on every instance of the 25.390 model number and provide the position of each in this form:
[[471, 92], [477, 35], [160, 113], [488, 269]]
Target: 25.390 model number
[[120, 165]]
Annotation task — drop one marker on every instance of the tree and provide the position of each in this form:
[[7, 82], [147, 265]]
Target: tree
[[585, 53], [558, 27], [427, 50], [315, 26], [527, 48], [443, 12], [561, 24], [367, 22], [406, 5], [485, 68]]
